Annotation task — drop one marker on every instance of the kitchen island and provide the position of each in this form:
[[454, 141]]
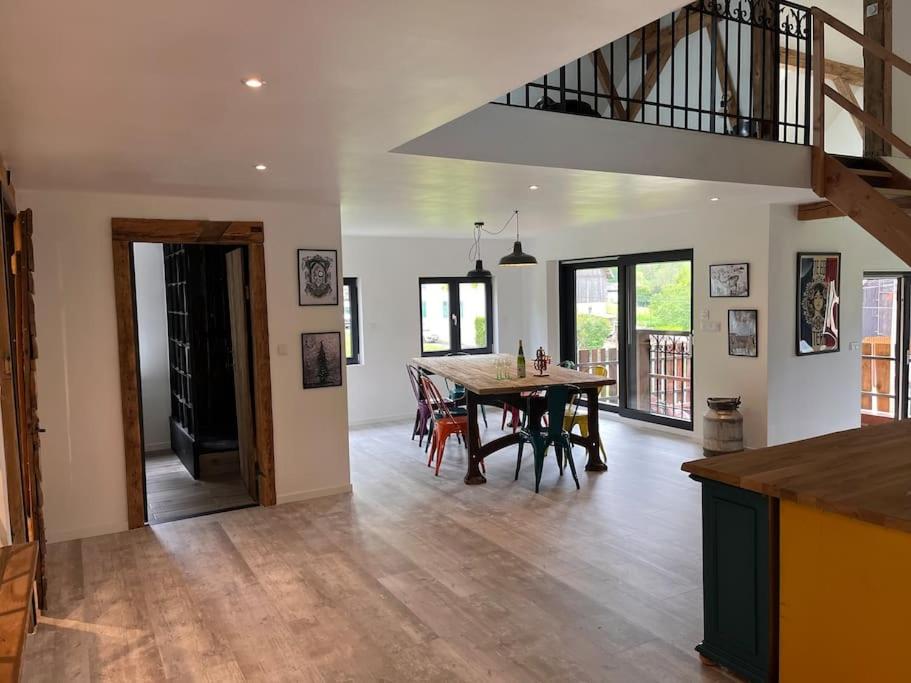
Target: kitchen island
[[807, 558]]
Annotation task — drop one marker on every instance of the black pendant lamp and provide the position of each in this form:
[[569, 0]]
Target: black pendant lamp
[[518, 257], [479, 270]]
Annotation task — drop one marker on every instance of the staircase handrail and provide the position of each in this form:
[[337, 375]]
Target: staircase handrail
[[822, 90]]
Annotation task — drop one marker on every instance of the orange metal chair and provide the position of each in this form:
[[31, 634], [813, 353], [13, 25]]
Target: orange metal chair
[[445, 424]]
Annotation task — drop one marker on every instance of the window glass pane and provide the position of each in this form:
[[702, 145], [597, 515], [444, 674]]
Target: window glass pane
[[597, 325], [435, 317], [880, 339], [473, 315], [346, 294], [660, 360]]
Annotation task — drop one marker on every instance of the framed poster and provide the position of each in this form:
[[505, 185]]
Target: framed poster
[[743, 332], [818, 303], [317, 277], [322, 359], [729, 280]]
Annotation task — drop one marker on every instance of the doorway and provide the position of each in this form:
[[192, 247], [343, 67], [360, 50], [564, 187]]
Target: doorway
[[885, 348], [194, 367], [217, 452], [631, 318]]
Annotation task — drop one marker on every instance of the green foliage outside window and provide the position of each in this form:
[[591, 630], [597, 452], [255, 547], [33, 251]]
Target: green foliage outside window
[[592, 331]]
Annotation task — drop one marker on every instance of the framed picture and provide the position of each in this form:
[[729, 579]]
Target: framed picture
[[317, 277], [743, 332], [818, 303], [323, 358], [729, 280]]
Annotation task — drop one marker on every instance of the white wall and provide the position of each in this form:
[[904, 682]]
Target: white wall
[[718, 234], [152, 318], [387, 270], [78, 373], [813, 395]]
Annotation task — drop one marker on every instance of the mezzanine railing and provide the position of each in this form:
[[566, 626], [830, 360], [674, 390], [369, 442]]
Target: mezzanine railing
[[733, 67]]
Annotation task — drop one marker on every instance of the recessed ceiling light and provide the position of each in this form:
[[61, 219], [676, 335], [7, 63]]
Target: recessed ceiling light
[[260, 167], [254, 82], [532, 187], [714, 199]]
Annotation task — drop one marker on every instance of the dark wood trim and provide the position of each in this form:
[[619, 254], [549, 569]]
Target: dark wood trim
[[125, 231], [11, 449], [130, 396], [165, 231], [262, 376]]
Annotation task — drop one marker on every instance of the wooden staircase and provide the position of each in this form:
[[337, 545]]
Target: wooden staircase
[[872, 192]]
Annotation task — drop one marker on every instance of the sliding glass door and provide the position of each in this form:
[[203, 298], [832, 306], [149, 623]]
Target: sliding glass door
[[630, 318]]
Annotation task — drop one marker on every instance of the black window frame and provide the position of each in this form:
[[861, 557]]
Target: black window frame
[[455, 338], [355, 303], [625, 264]]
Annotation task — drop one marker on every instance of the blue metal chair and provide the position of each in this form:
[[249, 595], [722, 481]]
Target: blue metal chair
[[557, 400]]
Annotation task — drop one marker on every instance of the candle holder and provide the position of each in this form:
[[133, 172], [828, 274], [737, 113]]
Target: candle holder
[[542, 360]]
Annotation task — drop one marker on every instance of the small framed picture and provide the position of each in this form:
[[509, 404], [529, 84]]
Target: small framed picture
[[322, 359], [818, 303], [743, 333], [317, 277], [729, 280]]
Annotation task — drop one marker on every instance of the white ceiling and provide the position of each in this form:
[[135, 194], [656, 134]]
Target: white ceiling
[[146, 97]]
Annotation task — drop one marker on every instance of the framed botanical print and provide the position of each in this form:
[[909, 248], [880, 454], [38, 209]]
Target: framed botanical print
[[322, 359], [317, 277], [743, 333], [818, 303], [729, 280]]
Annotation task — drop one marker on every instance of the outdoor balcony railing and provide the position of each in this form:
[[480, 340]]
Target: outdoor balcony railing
[[663, 372], [733, 67]]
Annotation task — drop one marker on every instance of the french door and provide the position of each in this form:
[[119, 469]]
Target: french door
[[631, 318], [885, 356]]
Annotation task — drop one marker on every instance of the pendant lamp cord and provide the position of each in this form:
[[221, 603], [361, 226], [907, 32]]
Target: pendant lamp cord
[[475, 251]]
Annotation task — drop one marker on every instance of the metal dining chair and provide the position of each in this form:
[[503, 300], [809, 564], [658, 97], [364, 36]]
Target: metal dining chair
[[422, 414], [457, 392], [541, 438], [445, 423]]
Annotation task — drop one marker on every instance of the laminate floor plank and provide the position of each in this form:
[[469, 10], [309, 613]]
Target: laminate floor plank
[[412, 578]]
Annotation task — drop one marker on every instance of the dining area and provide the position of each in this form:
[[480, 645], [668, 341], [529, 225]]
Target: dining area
[[550, 409]]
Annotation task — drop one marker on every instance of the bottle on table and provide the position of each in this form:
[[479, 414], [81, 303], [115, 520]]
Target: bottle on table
[[520, 362]]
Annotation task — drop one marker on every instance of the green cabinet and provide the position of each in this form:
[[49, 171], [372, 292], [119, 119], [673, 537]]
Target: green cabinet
[[740, 574]]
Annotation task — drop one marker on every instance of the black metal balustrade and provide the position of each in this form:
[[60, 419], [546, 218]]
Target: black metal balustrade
[[733, 67]]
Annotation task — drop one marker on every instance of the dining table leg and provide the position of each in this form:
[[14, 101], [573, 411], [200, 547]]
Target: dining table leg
[[474, 476], [594, 464]]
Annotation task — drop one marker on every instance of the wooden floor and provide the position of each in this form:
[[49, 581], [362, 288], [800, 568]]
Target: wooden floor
[[172, 493], [413, 578]]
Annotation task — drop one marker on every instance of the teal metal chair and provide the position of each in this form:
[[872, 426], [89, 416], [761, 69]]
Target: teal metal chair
[[542, 438], [457, 391]]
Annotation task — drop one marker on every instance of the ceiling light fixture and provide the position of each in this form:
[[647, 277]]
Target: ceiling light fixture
[[518, 257], [478, 270], [254, 82], [532, 187], [714, 199], [260, 167]]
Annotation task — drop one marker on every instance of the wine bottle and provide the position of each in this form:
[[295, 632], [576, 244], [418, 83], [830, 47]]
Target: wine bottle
[[520, 362]]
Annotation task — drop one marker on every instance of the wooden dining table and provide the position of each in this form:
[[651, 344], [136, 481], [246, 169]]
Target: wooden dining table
[[478, 374]]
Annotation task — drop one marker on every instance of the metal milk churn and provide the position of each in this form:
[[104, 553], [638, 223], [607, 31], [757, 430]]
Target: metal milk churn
[[722, 427]]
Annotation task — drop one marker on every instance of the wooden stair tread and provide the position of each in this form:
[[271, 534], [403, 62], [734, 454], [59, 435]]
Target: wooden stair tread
[[893, 192]]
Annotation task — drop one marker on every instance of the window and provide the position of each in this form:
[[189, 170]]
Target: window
[[456, 315], [352, 321], [630, 318]]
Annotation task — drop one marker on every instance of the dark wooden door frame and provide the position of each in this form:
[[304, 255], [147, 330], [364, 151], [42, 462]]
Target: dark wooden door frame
[[249, 234]]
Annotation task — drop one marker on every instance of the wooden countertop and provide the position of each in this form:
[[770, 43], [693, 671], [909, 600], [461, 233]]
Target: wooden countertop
[[478, 374], [861, 473]]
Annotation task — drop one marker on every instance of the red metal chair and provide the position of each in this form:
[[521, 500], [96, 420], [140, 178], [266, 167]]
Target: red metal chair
[[445, 424]]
